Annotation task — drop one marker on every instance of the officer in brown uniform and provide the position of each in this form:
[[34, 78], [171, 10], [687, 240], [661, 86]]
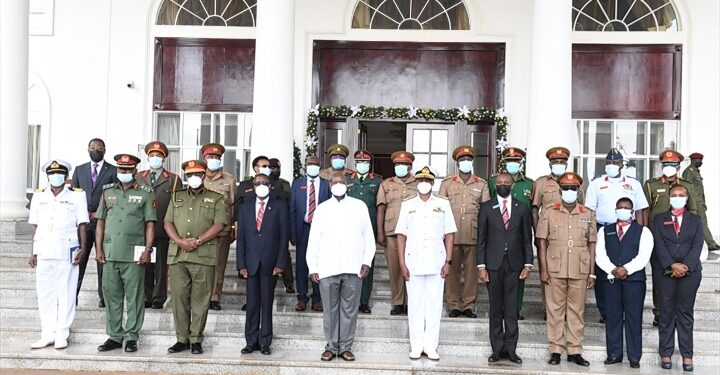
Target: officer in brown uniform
[[465, 191], [392, 193], [338, 155], [163, 183], [567, 234], [221, 182]]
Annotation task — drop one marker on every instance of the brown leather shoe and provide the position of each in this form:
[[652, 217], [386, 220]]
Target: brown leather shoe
[[301, 306], [317, 306]]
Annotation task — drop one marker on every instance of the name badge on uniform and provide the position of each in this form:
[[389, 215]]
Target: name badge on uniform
[[248, 190], [603, 187], [411, 212], [438, 209], [135, 198], [585, 221], [477, 190], [208, 200], [111, 197], [609, 233], [496, 206], [660, 190], [303, 187], [668, 222]]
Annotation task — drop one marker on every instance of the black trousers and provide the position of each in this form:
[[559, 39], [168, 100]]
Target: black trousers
[[502, 290], [156, 273], [627, 299], [677, 304], [89, 243], [258, 318]]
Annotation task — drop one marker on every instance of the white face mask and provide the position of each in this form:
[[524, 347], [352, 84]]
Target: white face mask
[[424, 187], [362, 167], [338, 190], [125, 177], [569, 196], [612, 170], [312, 170], [558, 169], [266, 171], [623, 214], [678, 202], [262, 191], [56, 179], [669, 171], [465, 166], [155, 162], [214, 164], [194, 181]]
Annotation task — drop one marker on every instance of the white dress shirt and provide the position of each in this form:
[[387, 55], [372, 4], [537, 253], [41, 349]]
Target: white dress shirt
[[316, 183], [603, 193], [341, 238], [636, 264], [57, 219]]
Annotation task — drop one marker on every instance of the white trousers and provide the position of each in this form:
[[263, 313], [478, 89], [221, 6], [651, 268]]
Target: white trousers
[[425, 303], [56, 285]]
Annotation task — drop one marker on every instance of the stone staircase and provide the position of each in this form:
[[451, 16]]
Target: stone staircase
[[381, 344]]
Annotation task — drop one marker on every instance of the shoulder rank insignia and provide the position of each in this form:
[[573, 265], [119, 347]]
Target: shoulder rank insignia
[[77, 190], [39, 190], [108, 186], [441, 197]]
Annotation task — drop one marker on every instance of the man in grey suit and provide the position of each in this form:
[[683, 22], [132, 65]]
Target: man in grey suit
[[91, 177]]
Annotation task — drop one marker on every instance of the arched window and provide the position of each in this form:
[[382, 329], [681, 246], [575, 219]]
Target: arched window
[[624, 15], [411, 15], [207, 12]]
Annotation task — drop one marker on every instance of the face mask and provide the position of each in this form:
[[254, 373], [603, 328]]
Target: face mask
[[512, 167], [312, 170], [262, 191], [194, 181], [678, 202], [465, 166], [338, 163], [569, 196], [424, 187], [669, 171], [96, 156], [503, 190], [363, 168], [612, 170], [155, 162], [558, 169], [56, 179], [338, 190], [623, 214], [266, 171], [214, 164], [125, 177], [275, 175], [401, 170]]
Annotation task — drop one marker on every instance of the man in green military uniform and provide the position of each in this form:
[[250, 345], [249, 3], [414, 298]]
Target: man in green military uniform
[[194, 219], [657, 193], [692, 174], [275, 170], [364, 185], [338, 155], [123, 243], [522, 191]]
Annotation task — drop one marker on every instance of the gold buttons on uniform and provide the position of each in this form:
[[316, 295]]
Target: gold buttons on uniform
[[188, 220], [190, 208]]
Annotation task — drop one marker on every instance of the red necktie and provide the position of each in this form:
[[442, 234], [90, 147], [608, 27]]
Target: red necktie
[[676, 225], [505, 215], [260, 214], [621, 230], [311, 201]]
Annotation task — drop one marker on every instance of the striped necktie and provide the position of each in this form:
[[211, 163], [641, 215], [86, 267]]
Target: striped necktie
[[505, 215], [260, 214], [311, 201]]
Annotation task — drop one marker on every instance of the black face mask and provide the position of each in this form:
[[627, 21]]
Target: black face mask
[[96, 156], [503, 190], [275, 175]]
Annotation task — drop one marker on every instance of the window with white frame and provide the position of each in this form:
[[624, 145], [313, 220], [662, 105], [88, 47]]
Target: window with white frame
[[430, 148], [185, 132], [208, 13], [411, 15], [624, 15], [640, 142]]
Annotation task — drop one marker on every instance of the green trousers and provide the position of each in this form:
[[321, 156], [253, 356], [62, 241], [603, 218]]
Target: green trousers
[[367, 285], [191, 286], [121, 281], [709, 240]]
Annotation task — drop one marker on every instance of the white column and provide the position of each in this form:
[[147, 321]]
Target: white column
[[549, 119], [272, 132], [13, 107]]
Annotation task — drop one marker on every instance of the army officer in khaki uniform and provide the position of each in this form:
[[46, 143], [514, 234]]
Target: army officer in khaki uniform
[[125, 220], [567, 235], [465, 191], [194, 219], [338, 162]]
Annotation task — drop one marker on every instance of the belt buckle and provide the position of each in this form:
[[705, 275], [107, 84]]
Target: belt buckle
[[570, 243]]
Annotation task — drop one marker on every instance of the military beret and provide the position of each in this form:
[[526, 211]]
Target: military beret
[[614, 154], [463, 151], [126, 161], [156, 146], [570, 179], [671, 156], [696, 155], [337, 149], [194, 166], [212, 149], [402, 157], [362, 155], [57, 165], [513, 153], [557, 153], [425, 172]]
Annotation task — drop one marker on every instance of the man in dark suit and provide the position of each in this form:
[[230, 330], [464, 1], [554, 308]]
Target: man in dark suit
[[307, 192], [91, 177], [262, 247], [504, 257]]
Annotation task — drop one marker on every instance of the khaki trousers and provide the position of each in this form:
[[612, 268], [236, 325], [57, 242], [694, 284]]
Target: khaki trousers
[[566, 303], [398, 295], [463, 260]]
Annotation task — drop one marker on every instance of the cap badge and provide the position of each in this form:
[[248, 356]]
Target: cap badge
[[54, 165]]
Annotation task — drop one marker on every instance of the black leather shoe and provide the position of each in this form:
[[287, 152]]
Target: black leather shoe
[[578, 360], [493, 358], [178, 347], [109, 345], [148, 305], [289, 289], [613, 360], [656, 322], [397, 310], [157, 305], [244, 307], [131, 346], [266, 351], [520, 317], [504, 355], [554, 359], [514, 358], [365, 309], [665, 365], [687, 368], [634, 364], [714, 247], [469, 314], [249, 349], [196, 348], [454, 313], [101, 304], [215, 305]]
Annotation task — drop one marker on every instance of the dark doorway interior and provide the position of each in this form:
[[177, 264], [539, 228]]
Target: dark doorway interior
[[382, 138]]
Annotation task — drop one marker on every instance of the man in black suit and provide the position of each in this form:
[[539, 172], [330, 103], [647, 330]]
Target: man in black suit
[[91, 177], [504, 257], [262, 248]]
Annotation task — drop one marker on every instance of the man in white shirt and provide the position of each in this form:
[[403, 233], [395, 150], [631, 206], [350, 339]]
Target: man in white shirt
[[58, 216], [341, 247], [623, 250], [425, 233]]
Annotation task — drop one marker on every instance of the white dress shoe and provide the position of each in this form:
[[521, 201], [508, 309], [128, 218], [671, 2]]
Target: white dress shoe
[[61, 344], [39, 344], [432, 354], [415, 355]]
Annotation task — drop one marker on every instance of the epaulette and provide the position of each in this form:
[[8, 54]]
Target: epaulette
[[652, 179], [441, 197], [77, 190], [581, 208], [39, 190], [165, 174], [407, 199], [554, 206], [448, 178], [108, 186], [146, 188]]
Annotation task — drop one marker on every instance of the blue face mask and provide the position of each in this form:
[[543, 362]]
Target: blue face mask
[[312, 170], [401, 170], [266, 171], [512, 167], [362, 167], [214, 164], [465, 166], [338, 163], [569, 196], [56, 179], [558, 169], [155, 162], [612, 170], [125, 178], [678, 202]]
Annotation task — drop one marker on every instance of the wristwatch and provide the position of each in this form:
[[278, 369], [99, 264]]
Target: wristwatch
[[198, 241], [149, 249]]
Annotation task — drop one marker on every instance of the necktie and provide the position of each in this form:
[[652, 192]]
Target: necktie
[[93, 173], [260, 214], [676, 225], [505, 215], [621, 231], [311, 201], [153, 178]]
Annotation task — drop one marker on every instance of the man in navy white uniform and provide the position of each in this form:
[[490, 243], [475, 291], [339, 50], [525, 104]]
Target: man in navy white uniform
[[425, 234], [58, 216], [602, 194], [623, 250]]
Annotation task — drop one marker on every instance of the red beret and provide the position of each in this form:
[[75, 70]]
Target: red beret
[[696, 155]]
